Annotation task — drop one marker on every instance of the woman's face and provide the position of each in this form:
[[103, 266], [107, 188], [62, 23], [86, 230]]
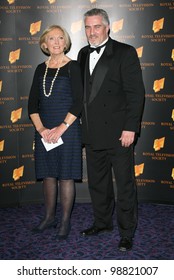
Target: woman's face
[[55, 42]]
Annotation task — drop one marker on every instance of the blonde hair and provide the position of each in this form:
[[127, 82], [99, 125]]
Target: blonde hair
[[46, 31]]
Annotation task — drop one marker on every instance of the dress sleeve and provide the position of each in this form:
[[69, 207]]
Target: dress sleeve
[[33, 100], [77, 88]]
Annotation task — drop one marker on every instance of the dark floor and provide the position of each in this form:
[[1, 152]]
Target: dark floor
[[154, 238]]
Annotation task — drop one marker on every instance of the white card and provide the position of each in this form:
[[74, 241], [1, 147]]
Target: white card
[[50, 146]]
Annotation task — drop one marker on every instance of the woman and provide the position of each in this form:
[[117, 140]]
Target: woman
[[54, 106]]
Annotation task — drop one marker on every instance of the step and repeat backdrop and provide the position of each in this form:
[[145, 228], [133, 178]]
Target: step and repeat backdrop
[[148, 25]]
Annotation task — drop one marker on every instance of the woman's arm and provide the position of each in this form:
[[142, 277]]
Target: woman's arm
[[43, 131]]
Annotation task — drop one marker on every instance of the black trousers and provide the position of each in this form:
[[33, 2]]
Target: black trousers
[[100, 164]]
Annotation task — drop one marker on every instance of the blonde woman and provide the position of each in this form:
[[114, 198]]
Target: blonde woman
[[55, 103]]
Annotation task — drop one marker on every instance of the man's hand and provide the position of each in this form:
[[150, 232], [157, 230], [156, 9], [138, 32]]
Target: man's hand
[[127, 138]]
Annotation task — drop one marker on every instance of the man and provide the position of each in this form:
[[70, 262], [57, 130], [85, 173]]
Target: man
[[113, 105]]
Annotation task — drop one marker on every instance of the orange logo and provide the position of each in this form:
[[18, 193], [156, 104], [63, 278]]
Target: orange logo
[[14, 55], [18, 172], [76, 26], [93, 1], [172, 56], [117, 25], [159, 144], [139, 52], [139, 169], [1, 145], [172, 173], [11, 1], [158, 25], [51, 1], [172, 115], [35, 27], [158, 85], [0, 86], [16, 115]]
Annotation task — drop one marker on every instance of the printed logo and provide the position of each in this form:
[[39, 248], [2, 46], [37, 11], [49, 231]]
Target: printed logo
[[51, 1], [159, 144], [117, 26], [16, 115], [11, 1], [18, 173], [158, 25], [139, 169], [172, 173], [1, 146], [140, 52], [172, 115], [14, 55], [158, 85], [0, 86], [172, 56], [35, 27]]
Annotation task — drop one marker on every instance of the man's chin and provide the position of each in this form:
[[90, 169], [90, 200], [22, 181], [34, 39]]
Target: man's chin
[[93, 43]]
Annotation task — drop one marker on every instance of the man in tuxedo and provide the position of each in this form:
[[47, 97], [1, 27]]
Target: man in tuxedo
[[113, 106]]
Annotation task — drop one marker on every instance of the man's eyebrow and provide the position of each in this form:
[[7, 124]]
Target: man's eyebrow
[[93, 25]]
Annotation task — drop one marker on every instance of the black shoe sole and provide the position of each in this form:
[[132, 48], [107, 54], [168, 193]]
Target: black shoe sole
[[98, 233], [124, 249]]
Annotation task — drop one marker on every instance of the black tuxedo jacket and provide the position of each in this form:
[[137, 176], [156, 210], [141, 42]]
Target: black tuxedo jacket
[[113, 96]]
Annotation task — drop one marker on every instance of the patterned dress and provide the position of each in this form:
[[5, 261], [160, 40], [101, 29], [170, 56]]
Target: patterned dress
[[64, 161]]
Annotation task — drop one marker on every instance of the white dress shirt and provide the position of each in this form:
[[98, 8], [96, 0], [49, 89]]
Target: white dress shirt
[[94, 57]]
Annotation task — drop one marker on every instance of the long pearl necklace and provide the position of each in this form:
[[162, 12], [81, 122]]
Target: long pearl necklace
[[52, 83]]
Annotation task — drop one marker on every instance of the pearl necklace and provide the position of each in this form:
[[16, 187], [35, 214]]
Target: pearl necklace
[[52, 83]]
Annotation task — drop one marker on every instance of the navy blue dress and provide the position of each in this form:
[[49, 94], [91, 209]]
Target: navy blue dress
[[64, 161]]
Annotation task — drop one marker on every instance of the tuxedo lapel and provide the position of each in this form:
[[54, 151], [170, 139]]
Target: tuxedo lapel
[[86, 68], [98, 77], [100, 71]]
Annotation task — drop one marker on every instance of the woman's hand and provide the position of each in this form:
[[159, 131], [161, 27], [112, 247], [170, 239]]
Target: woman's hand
[[56, 132], [44, 132]]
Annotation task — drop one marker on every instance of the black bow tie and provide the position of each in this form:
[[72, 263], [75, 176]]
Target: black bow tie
[[97, 49]]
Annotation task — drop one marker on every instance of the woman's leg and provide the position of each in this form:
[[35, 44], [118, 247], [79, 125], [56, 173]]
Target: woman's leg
[[67, 195], [50, 198]]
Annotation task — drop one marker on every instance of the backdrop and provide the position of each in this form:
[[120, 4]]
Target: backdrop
[[145, 24]]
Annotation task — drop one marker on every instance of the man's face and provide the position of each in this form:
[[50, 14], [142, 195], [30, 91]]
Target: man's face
[[96, 31]]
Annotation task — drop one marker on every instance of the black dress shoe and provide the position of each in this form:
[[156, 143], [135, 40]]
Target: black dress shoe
[[125, 244], [94, 231]]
